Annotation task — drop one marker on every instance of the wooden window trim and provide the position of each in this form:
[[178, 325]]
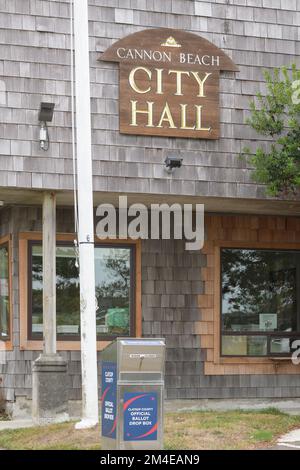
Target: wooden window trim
[[218, 359], [37, 345], [107, 338], [8, 345]]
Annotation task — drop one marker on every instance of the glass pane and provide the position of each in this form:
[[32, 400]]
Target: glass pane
[[4, 294], [37, 289], [112, 271], [234, 345], [113, 290], [259, 290], [257, 345], [244, 345], [283, 345], [67, 292]]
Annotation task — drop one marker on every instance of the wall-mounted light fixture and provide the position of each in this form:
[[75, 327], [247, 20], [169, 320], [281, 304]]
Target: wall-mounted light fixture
[[45, 115], [171, 163]]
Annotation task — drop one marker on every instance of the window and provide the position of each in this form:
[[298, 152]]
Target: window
[[260, 301], [4, 293], [114, 272]]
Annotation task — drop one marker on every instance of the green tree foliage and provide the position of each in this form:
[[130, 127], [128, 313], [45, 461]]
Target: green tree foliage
[[277, 116], [114, 290]]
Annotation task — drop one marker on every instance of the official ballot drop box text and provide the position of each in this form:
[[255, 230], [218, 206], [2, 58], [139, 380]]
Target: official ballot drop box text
[[132, 393]]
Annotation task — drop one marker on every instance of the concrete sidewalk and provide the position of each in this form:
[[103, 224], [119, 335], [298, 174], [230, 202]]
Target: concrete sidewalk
[[289, 441], [16, 424]]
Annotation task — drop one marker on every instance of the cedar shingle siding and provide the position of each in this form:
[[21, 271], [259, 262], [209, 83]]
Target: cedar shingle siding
[[177, 286]]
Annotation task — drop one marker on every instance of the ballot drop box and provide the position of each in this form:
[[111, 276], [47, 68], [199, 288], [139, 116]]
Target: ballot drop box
[[132, 394]]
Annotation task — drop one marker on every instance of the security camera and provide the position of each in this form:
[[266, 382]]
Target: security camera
[[172, 163]]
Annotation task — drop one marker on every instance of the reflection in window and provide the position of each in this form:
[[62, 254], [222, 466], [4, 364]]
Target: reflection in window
[[4, 293], [113, 273], [113, 290], [239, 345], [259, 299]]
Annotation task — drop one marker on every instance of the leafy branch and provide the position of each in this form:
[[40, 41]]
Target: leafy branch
[[277, 115]]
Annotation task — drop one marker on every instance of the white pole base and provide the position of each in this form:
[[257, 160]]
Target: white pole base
[[86, 424]]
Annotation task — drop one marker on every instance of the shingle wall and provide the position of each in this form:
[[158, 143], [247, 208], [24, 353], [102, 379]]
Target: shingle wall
[[35, 66], [172, 286], [172, 283]]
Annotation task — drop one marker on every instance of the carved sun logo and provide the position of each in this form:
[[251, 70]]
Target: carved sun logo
[[171, 42]]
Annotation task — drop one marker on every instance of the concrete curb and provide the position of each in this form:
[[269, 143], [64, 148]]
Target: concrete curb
[[289, 406]]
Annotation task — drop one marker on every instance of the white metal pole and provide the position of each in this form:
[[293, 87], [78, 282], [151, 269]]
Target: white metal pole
[[85, 219]]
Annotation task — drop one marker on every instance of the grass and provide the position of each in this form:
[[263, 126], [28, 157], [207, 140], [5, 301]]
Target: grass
[[192, 430], [227, 430]]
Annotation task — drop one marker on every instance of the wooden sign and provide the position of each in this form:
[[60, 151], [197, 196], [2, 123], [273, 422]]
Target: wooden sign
[[169, 83]]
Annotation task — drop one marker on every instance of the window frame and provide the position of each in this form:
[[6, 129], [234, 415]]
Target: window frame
[[7, 344], [268, 335], [61, 337], [68, 344]]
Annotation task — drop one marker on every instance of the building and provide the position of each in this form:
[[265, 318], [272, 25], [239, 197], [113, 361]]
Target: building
[[230, 311]]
